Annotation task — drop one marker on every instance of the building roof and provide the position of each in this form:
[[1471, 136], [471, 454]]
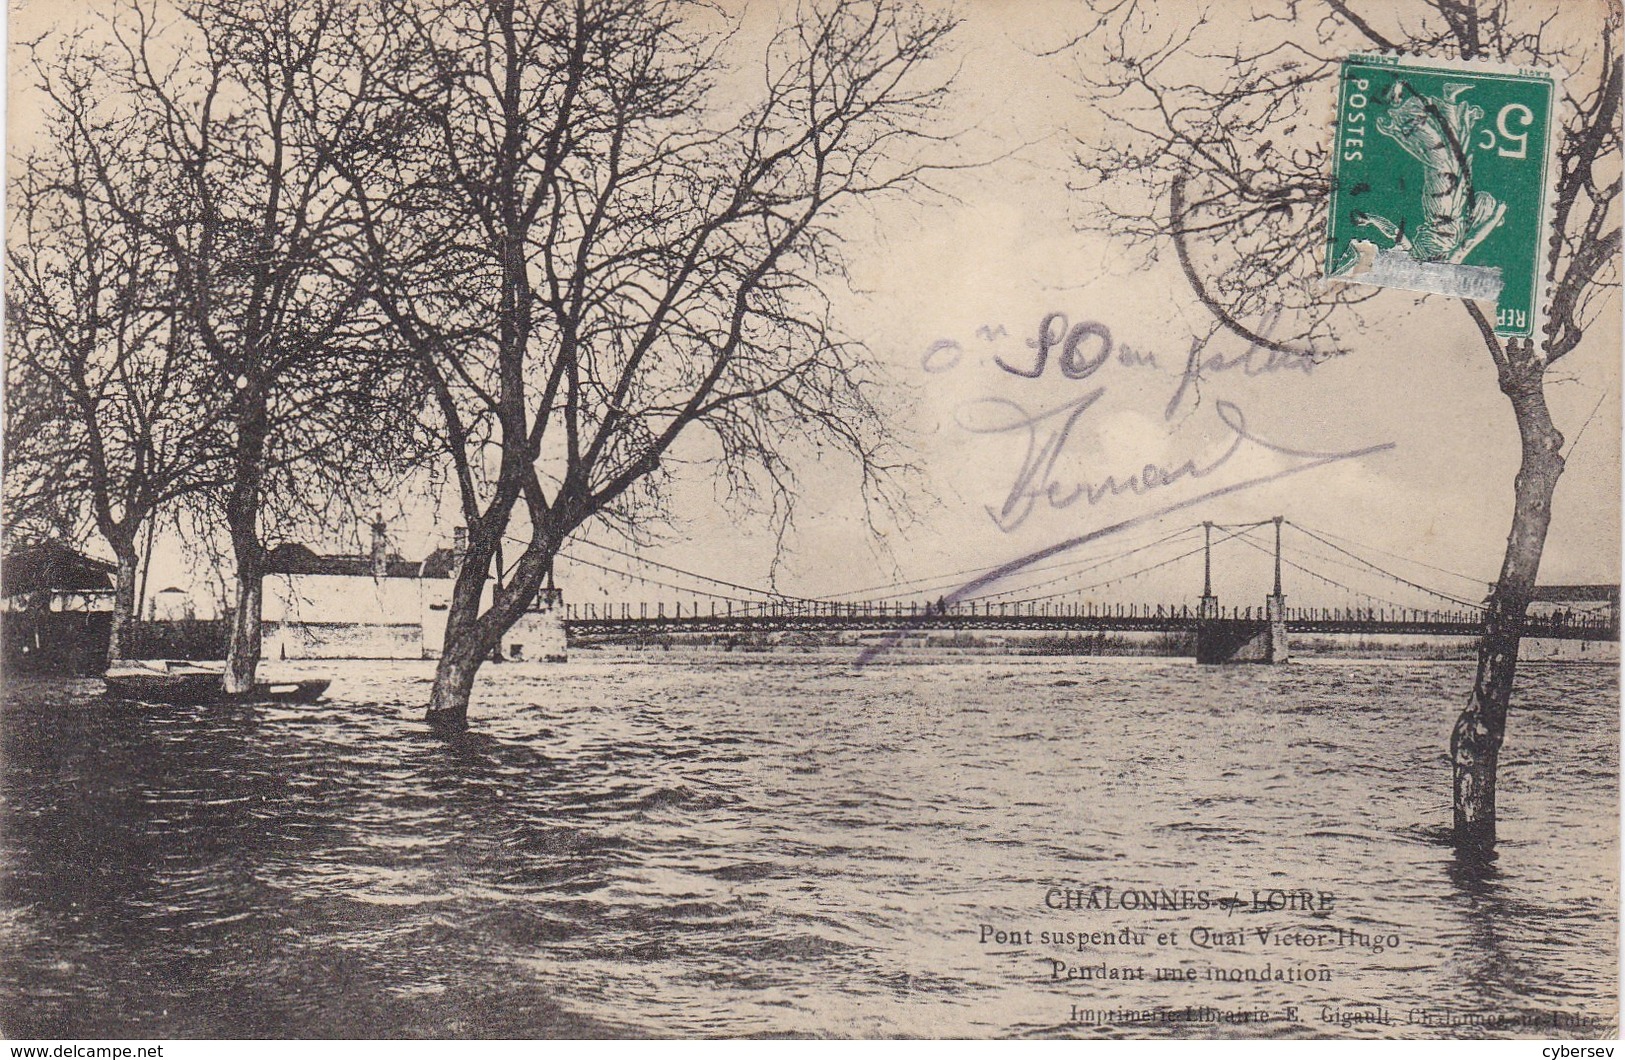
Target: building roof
[[439, 564], [1575, 593], [51, 565], [295, 558]]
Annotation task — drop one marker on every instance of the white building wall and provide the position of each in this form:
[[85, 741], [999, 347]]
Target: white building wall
[[436, 603], [342, 598], [333, 616], [172, 605]]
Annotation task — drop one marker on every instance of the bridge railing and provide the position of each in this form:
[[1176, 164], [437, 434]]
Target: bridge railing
[[1385, 615], [1558, 624], [894, 609]]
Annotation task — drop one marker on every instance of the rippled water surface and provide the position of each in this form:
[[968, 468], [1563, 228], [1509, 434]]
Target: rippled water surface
[[680, 844]]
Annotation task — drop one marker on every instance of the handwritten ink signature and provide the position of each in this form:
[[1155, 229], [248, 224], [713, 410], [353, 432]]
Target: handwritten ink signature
[[1035, 479], [1083, 349]]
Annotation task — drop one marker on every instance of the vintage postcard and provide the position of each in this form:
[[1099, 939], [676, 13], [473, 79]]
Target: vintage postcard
[[850, 518]]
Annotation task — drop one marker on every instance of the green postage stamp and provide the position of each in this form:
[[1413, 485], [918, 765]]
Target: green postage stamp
[[1441, 181]]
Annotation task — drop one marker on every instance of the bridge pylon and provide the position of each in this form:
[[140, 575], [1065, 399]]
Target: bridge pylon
[[1209, 608], [1278, 650]]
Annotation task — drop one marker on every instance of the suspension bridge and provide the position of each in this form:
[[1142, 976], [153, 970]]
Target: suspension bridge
[[1348, 589]]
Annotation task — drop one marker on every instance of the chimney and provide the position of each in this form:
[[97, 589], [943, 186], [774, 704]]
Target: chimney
[[380, 548], [459, 549]]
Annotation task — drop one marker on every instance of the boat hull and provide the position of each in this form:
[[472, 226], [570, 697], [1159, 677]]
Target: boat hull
[[148, 683], [164, 688]]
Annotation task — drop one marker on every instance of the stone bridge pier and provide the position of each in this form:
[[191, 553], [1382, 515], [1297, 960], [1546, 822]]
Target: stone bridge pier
[[539, 633], [1245, 640]]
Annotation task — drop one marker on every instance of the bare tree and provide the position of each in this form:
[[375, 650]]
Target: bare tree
[[111, 406], [590, 248], [1216, 147], [249, 105], [39, 497]]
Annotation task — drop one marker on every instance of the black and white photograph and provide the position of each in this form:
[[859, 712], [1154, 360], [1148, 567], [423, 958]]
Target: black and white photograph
[[857, 519]]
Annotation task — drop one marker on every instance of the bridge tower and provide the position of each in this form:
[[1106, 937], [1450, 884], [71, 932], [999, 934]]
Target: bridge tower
[[1210, 603], [550, 631], [1278, 650]]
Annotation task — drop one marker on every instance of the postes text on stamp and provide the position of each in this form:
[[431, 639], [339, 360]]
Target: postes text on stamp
[[1441, 181]]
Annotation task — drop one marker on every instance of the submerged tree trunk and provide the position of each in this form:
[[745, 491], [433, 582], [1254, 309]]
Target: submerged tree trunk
[[1475, 744], [243, 642], [463, 649], [454, 683], [242, 520], [124, 603], [472, 636]]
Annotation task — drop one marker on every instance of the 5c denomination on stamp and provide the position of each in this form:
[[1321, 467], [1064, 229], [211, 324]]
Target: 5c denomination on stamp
[[1441, 181]]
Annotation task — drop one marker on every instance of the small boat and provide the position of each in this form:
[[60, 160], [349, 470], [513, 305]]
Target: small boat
[[163, 681], [181, 682]]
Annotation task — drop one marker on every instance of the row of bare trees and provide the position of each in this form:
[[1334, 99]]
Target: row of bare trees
[[273, 253], [181, 291]]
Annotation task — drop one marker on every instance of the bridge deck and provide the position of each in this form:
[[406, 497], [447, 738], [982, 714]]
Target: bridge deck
[[1441, 626]]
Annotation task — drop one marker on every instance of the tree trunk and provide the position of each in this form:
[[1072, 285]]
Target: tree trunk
[[119, 633], [243, 643], [471, 636], [1475, 743], [454, 682], [242, 519], [464, 649]]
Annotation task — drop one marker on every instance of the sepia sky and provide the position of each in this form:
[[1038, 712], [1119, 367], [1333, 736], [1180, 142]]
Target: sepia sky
[[982, 264]]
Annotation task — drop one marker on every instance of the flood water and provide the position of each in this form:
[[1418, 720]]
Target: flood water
[[696, 845]]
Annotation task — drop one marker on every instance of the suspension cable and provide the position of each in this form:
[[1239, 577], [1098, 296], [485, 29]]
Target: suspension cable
[[1386, 573], [1385, 552]]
